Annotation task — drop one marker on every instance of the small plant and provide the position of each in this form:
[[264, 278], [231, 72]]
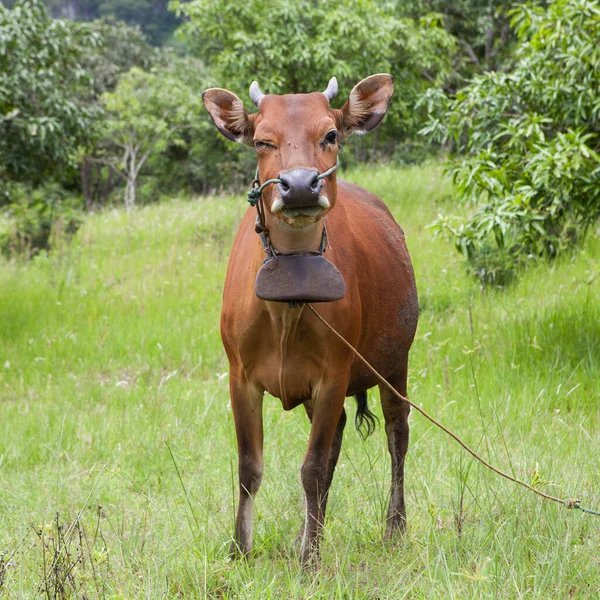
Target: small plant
[[71, 562], [494, 266], [3, 567], [35, 219]]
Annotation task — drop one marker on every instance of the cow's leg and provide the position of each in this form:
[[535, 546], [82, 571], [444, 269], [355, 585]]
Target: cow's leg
[[246, 404], [334, 454], [396, 413], [317, 467]]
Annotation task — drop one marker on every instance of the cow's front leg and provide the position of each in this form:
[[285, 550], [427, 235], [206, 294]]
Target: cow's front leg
[[334, 454], [317, 467], [246, 404]]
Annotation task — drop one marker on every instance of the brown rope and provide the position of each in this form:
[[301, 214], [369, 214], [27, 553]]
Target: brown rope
[[568, 503]]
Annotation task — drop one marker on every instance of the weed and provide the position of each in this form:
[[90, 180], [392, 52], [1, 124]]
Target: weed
[[71, 559], [3, 566]]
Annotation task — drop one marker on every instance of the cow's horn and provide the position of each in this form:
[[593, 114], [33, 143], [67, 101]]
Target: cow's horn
[[332, 89], [255, 94]]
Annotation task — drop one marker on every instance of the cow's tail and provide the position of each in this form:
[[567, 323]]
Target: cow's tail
[[365, 420]]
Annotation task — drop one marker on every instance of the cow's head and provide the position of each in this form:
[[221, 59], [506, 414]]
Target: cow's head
[[296, 137]]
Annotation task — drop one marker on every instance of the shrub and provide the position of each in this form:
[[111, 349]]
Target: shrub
[[526, 142], [36, 219]]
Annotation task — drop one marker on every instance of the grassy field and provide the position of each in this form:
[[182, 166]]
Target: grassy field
[[114, 406]]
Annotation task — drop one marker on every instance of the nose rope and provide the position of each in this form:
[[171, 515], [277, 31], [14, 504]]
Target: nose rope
[[254, 194]]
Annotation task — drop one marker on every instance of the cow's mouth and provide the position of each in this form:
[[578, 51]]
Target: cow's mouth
[[303, 211], [300, 215]]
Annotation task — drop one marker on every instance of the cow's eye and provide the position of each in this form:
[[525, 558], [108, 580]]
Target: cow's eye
[[331, 137], [258, 144]]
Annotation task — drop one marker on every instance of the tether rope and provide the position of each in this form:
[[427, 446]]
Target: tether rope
[[569, 503]]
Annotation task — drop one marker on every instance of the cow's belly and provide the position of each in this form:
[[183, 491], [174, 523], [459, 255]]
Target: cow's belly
[[291, 382], [387, 346], [293, 369]]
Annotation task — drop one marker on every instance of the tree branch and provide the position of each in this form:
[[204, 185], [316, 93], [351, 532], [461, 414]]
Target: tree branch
[[152, 143], [107, 163], [470, 51], [143, 159]]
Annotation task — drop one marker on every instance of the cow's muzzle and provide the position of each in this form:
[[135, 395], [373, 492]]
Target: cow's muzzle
[[300, 188]]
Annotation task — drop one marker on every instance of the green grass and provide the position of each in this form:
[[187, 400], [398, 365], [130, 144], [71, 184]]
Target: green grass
[[109, 351]]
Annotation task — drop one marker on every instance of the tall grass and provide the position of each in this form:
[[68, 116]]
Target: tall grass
[[109, 351]]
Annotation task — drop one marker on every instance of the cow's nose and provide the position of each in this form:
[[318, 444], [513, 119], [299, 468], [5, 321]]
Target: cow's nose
[[300, 187]]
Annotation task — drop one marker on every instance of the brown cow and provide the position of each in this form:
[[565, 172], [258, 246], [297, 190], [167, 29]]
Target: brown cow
[[286, 351]]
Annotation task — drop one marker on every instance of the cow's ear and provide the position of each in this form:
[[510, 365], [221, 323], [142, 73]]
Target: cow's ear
[[229, 115], [367, 104]]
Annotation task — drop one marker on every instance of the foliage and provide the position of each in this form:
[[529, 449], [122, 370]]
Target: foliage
[[43, 117], [36, 219], [122, 47], [296, 47], [526, 142], [201, 162], [147, 113], [151, 15], [481, 28]]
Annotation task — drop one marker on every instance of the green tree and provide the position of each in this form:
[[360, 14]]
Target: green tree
[[199, 162], [481, 28], [292, 47], [147, 112], [122, 47], [151, 15], [44, 119], [527, 141]]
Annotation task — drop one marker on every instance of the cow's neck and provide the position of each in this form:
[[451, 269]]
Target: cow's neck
[[291, 240]]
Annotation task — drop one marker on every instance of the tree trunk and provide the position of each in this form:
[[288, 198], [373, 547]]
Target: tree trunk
[[489, 42], [131, 177], [86, 176], [107, 187], [375, 138], [130, 193]]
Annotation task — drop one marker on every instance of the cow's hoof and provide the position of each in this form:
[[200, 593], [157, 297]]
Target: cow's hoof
[[236, 552], [395, 529], [310, 557]]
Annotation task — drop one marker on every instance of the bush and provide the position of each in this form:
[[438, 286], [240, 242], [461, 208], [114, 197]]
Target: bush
[[36, 219], [526, 143], [495, 266]]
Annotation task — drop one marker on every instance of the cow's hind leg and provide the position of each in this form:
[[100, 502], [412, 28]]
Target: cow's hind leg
[[334, 454], [396, 413], [246, 404]]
